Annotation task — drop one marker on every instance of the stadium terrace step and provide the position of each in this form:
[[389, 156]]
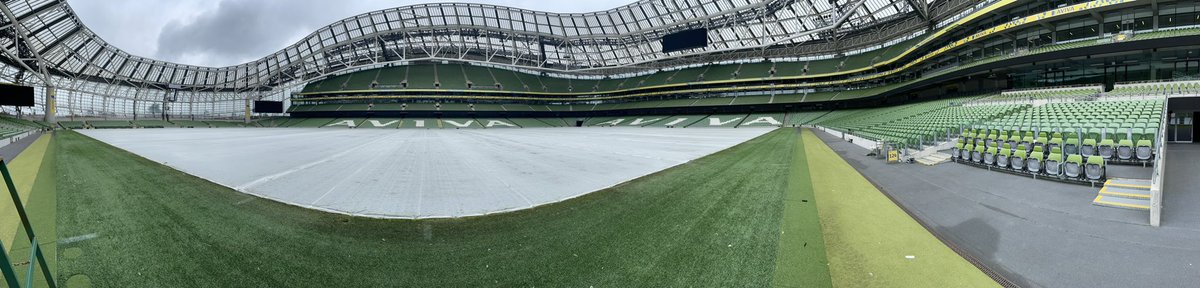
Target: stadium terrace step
[[1118, 202], [1129, 183], [1122, 192]]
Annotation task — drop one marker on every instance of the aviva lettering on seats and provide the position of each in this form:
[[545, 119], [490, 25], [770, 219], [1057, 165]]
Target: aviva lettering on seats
[[422, 123]]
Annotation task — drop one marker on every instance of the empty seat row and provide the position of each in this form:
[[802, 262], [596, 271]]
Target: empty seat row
[[1156, 89], [1054, 164], [1054, 93]]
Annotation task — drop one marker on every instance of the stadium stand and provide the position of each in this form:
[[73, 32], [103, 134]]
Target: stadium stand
[[796, 119], [383, 123], [716, 121], [1048, 94], [1087, 122], [153, 124], [1155, 89], [452, 77], [720, 72], [391, 77], [763, 120], [309, 123], [913, 125], [109, 124], [460, 123], [421, 76], [12, 127], [224, 124], [678, 121], [420, 123]]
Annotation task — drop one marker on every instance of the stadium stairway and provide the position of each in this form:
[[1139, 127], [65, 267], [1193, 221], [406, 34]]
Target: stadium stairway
[[934, 159], [1124, 193], [933, 152]]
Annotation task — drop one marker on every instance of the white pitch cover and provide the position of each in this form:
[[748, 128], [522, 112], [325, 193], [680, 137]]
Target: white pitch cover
[[422, 173]]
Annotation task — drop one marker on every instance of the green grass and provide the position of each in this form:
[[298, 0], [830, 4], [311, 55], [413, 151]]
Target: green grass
[[800, 260], [718, 221], [868, 237]]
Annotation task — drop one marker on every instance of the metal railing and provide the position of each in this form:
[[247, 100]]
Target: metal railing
[[1160, 168]]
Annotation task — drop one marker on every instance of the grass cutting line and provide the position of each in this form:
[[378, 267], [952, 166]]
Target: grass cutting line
[[800, 259]]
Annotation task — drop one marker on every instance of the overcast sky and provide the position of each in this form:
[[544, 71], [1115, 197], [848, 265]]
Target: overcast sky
[[228, 32]]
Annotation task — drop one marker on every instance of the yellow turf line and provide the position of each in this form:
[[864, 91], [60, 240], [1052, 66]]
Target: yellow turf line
[[24, 171], [867, 237]]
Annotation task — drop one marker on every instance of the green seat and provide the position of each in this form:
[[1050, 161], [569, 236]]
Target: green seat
[[1107, 148], [1071, 146], [1034, 162], [1125, 149], [1094, 169], [977, 155], [989, 157], [1017, 160], [1053, 164], [1073, 167], [1002, 158], [1014, 140], [1088, 148], [1026, 144], [1145, 149], [992, 138], [1055, 143]]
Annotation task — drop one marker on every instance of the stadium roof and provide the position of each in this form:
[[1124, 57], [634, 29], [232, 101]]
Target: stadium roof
[[47, 38]]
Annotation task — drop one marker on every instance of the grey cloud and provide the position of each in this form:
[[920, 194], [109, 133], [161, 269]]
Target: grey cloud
[[236, 31]]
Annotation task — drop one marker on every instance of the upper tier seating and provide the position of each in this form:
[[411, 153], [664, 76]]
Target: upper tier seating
[[1056, 94], [466, 76], [1155, 89]]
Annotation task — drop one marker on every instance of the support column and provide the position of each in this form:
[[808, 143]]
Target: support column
[[50, 105], [247, 120]]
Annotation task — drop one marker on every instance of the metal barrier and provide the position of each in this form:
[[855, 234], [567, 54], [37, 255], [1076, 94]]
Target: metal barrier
[[860, 141]]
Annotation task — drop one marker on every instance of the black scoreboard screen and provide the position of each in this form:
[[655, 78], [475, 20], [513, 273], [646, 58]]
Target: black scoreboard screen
[[686, 39]]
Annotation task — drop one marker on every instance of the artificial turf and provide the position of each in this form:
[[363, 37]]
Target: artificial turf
[[730, 219], [33, 173], [871, 242], [798, 249]]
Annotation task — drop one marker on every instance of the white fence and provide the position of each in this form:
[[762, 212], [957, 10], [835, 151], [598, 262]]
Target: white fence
[[12, 139], [861, 142]]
